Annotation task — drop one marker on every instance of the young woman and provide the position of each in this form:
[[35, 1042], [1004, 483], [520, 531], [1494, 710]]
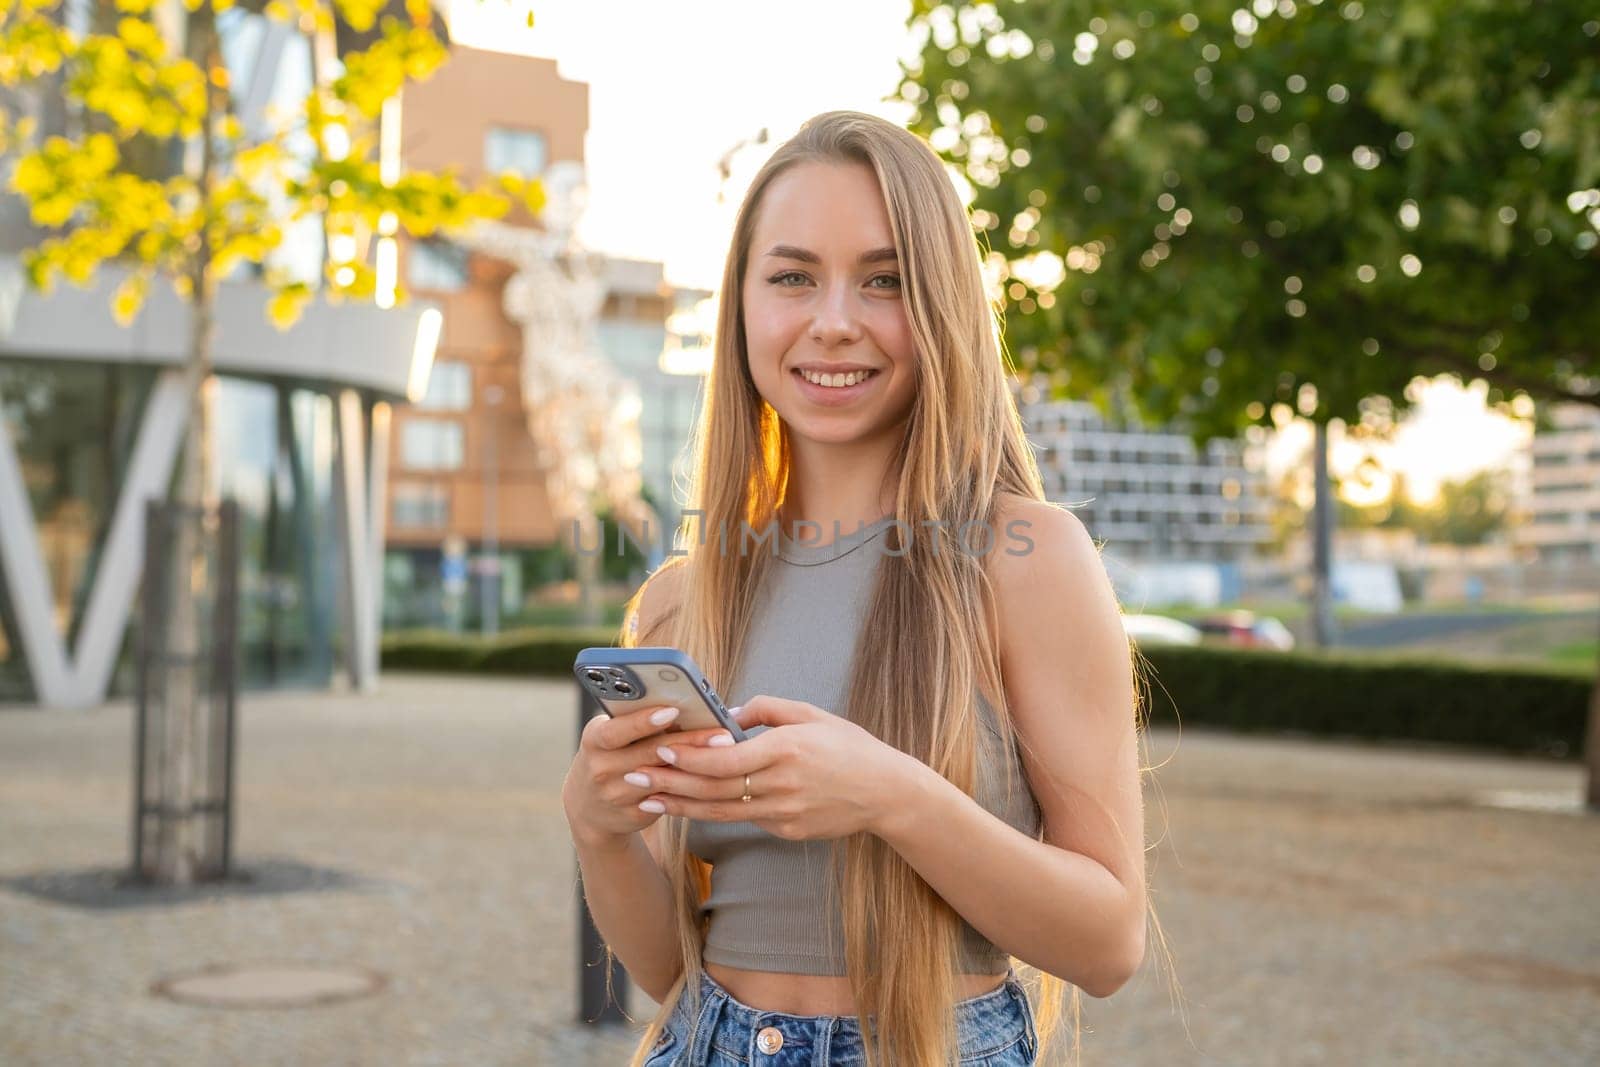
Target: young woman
[[942, 774]]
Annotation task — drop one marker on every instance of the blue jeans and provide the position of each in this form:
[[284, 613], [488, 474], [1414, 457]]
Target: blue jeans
[[995, 1029]]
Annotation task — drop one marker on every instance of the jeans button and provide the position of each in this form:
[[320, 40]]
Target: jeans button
[[770, 1039]]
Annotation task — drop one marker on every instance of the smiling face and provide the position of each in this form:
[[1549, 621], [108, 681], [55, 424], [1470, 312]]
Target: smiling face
[[828, 340]]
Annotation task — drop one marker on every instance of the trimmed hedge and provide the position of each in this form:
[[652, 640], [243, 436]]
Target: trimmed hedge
[[1534, 710], [545, 651]]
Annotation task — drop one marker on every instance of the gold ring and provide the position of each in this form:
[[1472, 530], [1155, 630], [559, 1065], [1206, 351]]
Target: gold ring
[[746, 798]]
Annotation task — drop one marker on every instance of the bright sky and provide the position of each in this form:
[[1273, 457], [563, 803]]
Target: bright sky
[[1450, 435], [673, 87]]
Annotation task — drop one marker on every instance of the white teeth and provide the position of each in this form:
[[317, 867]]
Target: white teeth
[[835, 381]]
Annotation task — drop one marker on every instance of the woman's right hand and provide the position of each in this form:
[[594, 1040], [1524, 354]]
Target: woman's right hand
[[600, 804]]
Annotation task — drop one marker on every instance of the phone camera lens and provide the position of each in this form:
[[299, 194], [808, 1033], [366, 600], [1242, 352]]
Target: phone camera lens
[[594, 676], [623, 687]]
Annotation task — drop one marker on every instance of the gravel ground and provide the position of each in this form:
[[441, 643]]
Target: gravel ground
[[1320, 903]]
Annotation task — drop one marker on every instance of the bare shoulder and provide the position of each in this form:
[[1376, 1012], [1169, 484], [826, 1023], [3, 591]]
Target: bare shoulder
[[1054, 600], [654, 602], [1036, 540]]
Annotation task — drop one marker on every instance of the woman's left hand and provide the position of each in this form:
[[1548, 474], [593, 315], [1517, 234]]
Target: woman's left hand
[[812, 775]]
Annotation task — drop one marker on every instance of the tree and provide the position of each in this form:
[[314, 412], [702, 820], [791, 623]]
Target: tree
[[1227, 207], [1467, 511], [149, 164], [1206, 209]]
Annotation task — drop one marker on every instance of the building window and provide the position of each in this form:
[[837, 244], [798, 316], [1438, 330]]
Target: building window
[[436, 265], [449, 387], [522, 151], [421, 506], [430, 444]]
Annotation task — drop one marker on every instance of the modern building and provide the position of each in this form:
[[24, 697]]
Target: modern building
[[1176, 522], [1560, 504], [479, 497], [659, 336], [1148, 493], [93, 418]]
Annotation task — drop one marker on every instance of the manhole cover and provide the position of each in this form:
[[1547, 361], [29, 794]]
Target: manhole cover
[[271, 985]]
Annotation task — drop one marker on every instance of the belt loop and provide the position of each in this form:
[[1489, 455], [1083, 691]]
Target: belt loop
[[1020, 993], [710, 1010], [824, 1041]]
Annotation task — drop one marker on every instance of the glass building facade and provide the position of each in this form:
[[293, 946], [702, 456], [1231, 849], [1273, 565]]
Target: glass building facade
[[72, 426]]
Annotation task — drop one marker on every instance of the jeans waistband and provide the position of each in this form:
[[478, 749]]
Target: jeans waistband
[[985, 1024]]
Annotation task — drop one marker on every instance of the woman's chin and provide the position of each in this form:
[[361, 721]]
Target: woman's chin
[[828, 431]]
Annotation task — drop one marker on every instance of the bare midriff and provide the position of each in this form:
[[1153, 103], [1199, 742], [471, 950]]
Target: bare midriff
[[816, 994]]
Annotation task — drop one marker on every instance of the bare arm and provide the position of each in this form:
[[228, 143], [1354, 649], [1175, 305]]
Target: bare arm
[[631, 903], [627, 891]]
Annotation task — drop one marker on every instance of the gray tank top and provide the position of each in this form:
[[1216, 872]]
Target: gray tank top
[[768, 906]]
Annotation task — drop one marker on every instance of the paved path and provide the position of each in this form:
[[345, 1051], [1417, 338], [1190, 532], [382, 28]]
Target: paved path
[[1323, 904]]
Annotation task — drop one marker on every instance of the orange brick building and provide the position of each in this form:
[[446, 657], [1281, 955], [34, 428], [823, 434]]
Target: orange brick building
[[464, 468]]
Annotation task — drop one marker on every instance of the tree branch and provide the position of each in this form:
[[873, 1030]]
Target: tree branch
[[1537, 388]]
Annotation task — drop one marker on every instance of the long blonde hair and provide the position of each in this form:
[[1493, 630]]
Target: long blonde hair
[[963, 446]]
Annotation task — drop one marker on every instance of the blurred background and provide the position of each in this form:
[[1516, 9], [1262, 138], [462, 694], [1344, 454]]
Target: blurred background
[[1300, 299], [1466, 497]]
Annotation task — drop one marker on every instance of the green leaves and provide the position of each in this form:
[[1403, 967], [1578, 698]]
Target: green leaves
[[1241, 170], [130, 79], [109, 193], [371, 77]]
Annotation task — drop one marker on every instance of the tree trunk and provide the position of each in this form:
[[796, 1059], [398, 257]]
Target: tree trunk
[[178, 840], [1322, 621]]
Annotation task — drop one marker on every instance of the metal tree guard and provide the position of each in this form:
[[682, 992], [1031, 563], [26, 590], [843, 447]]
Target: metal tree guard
[[215, 689], [594, 971]]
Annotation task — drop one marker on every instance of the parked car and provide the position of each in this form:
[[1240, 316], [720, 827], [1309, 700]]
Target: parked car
[[1159, 630], [1245, 629]]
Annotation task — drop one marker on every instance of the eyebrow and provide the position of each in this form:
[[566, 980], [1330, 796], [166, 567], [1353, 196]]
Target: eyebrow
[[875, 255]]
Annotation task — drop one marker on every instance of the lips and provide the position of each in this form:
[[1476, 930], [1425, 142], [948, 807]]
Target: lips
[[833, 396]]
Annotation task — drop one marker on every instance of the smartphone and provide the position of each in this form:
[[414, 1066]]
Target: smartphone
[[625, 680]]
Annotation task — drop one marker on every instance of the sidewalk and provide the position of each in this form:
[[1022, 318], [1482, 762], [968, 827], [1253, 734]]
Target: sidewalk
[[1323, 903]]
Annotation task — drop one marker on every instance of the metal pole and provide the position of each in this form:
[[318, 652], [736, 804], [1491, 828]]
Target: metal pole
[[155, 544], [490, 619], [593, 1004], [1323, 625], [226, 658]]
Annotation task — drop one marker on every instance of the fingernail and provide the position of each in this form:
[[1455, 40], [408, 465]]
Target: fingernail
[[654, 806], [663, 716], [635, 778], [719, 740], [736, 712], [666, 754]]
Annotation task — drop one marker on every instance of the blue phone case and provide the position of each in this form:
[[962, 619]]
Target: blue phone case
[[625, 680]]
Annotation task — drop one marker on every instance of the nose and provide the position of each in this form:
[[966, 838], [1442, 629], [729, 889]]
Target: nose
[[835, 321]]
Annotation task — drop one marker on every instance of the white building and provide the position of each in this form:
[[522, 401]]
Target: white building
[[1150, 493], [1560, 504], [667, 359]]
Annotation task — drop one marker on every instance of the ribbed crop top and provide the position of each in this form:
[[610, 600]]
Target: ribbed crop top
[[768, 906]]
